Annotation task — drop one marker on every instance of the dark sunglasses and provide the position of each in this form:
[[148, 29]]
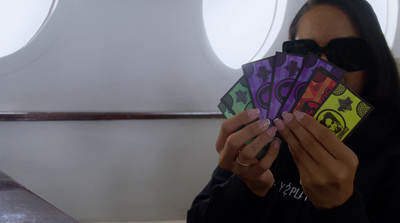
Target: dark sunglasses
[[350, 54]]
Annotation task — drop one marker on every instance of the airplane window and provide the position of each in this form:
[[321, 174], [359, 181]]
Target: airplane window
[[20, 22], [387, 13], [242, 31]]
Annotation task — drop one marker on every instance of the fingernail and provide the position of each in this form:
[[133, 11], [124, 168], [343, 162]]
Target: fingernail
[[263, 124], [277, 142], [253, 113], [279, 124], [287, 117], [299, 115], [271, 131]]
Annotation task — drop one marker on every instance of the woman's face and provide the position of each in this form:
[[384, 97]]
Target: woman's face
[[324, 23]]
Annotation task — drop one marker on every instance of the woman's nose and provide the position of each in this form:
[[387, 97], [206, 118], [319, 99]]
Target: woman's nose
[[323, 56]]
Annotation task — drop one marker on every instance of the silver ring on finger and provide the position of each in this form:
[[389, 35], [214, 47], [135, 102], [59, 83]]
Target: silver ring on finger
[[240, 163]]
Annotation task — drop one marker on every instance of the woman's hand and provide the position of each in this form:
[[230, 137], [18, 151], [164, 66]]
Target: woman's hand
[[239, 158], [327, 167]]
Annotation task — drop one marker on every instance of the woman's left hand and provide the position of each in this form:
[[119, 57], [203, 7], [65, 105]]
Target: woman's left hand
[[327, 167]]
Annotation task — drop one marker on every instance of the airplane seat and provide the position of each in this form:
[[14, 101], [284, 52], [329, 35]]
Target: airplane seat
[[19, 204]]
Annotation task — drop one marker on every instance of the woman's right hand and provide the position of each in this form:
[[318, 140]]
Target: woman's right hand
[[241, 159]]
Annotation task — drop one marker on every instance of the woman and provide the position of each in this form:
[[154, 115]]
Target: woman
[[316, 177]]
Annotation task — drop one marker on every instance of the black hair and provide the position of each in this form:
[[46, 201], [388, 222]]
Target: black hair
[[381, 82]]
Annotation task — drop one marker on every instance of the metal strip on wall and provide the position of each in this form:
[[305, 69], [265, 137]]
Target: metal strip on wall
[[88, 116]]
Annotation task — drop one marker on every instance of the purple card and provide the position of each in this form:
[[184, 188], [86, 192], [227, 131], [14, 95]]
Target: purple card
[[287, 67], [312, 62], [259, 75]]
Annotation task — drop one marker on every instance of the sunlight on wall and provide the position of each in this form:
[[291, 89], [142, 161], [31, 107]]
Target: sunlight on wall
[[20, 22]]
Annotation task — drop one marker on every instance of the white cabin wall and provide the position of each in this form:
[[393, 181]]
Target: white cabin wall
[[137, 170], [124, 55], [396, 44], [105, 56], [117, 56]]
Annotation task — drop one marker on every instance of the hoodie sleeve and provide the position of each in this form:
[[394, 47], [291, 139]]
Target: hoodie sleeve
[[227, 199], [351, 211], [377, 194]]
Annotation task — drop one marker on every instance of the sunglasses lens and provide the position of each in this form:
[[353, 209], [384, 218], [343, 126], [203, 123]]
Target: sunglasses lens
[[351, 54], [302, 47]]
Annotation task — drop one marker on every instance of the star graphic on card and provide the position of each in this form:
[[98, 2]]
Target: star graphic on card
[[292, 68], [241, 96], [263, 73], [345, 104]]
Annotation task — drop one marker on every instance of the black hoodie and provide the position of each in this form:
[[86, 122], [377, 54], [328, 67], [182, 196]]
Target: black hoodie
[[376, 197]]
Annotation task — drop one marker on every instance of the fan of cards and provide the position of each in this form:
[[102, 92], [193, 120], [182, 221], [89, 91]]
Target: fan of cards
[[289, 82]]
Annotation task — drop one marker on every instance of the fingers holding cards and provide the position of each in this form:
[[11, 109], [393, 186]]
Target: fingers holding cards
[[287, 82], [238, 148], [326, 166], [249, 153], [305, 146], [229, 126]]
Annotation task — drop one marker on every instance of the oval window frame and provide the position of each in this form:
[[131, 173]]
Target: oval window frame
[[280, 8], [39, 44], [26, 36]]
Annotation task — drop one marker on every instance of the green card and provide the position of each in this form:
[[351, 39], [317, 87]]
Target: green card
[[238, 98], [225, 111]]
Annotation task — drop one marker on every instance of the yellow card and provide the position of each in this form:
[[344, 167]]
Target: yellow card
[[343, 111]]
